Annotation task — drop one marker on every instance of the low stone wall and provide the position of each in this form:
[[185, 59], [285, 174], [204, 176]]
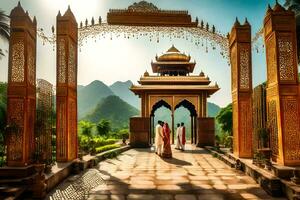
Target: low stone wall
[[62, 170], [272, 184]]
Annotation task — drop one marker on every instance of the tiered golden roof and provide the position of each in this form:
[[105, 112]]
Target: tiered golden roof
[[173, 61]]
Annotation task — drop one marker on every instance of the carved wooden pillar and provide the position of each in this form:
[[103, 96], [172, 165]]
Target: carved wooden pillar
[[282, 85], [173, 128], [21, 98], [241, 76], [204, 104], [66, 90], [192, 129]]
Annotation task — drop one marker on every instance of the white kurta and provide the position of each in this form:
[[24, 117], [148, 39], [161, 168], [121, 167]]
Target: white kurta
[[178, 136]]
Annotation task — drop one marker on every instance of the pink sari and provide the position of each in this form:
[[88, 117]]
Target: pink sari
[[167, 152]]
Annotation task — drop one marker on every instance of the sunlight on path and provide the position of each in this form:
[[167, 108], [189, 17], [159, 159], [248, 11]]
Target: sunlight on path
[[193, 174]]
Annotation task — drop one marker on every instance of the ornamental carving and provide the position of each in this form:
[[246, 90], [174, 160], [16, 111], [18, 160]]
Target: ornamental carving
[[245, 123], [18, 61], [72, 129], [16, 121], [43, 131], [31, 67], [244, 67], [233, 59], [273, 128], [62, 68], [291, 129], [72, 65], [286, 61], [143, 6], [271, 61], [62, 137]]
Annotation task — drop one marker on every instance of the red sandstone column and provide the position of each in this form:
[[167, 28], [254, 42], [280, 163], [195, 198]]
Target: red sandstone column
[[282, 85], [241, 80], [66, 87], [21, 97]]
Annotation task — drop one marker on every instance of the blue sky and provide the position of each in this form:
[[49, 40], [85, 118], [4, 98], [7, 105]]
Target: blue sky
[[122, 59]]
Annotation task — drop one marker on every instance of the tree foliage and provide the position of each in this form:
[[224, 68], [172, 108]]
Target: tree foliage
[[86, 128], [103, 127], [224, 118], [4, 28]]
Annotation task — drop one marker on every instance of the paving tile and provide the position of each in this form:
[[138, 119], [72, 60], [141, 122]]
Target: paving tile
[[141, 174]]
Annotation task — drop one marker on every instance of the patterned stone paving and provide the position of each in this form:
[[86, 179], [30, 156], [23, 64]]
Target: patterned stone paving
[[77, 186], [190, 175]]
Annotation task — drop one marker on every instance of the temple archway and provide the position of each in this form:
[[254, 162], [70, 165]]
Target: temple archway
[[159, 108], [189, 119], [173, 86]]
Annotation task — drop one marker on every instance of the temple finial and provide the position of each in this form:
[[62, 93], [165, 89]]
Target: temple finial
[[34, 20], [246, 21], [19, 4], [69, 8], [59, 14], [237, 23]]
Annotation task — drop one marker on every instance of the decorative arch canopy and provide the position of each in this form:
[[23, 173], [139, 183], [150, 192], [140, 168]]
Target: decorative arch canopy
[[188, 105], [159, 104]]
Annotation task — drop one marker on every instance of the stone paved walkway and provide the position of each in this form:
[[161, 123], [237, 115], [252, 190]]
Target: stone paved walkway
[[190, 175]]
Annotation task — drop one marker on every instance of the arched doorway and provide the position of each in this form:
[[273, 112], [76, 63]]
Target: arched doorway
[[160, 111], [186, 112]]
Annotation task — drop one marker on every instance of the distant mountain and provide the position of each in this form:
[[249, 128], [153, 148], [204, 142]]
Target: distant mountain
[[121, 89], [212, 109], [89, 96], [116, 110]]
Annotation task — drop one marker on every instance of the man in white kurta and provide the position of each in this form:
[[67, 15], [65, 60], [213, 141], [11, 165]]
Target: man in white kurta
[[159, 138], [178, 136]]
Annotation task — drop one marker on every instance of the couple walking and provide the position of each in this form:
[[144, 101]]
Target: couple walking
[[162, 140]]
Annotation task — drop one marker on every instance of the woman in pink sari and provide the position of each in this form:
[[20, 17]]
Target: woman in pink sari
[[167, 152]]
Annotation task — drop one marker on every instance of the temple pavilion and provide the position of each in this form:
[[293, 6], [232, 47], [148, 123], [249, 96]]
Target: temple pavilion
[[173, 85]]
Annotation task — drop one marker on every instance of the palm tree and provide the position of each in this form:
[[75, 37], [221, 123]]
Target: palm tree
[[4, 28], [294, 5]]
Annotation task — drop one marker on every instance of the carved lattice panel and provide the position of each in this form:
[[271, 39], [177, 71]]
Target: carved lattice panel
[[31, 66], [16, 121], [273, 127], [17, 62], [271, 61], [245, 135], [72, 130], [43, 133], [71, 65], [61, 136], [244, 78], [62, 68], [286, 59], [291, 129]]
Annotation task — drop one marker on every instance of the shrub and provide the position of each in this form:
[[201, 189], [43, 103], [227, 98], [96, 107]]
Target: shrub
[[107, 147], [121, 134], [89, 144]]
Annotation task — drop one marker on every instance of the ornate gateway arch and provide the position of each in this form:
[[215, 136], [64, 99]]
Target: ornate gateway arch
[[173, 86]]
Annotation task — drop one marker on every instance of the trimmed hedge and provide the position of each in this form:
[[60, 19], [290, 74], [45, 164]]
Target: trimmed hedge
[[107, 147]]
